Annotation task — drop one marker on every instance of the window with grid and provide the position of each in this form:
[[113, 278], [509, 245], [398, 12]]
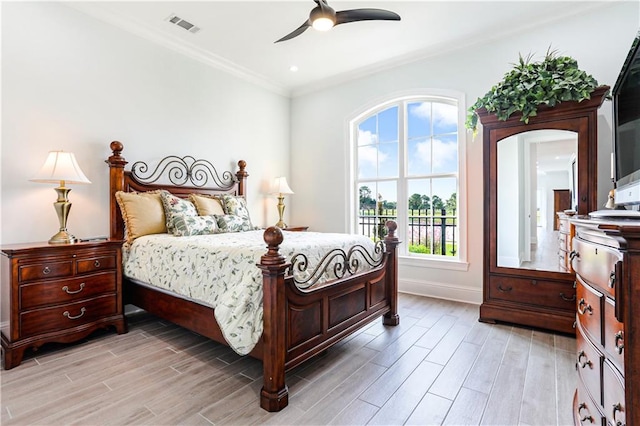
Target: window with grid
[[406, 169]]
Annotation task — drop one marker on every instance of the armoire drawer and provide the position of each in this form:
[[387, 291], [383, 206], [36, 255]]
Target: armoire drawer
[[554, 294]]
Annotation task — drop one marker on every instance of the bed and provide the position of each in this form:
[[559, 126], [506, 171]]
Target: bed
[[302, 314]]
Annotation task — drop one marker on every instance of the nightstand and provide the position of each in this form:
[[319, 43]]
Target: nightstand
[[296, 228], [58, 293]]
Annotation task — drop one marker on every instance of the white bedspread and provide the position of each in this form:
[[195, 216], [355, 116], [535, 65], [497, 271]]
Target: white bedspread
[[220, 270]]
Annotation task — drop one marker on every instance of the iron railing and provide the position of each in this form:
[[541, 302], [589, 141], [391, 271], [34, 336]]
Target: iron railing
[[425, 229]]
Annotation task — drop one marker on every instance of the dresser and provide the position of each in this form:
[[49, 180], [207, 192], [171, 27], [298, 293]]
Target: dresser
[[58, 293], [561, 202], [606, 260], [565, 235]]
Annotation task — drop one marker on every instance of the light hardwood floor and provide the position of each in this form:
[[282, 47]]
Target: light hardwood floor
[[439, 366]]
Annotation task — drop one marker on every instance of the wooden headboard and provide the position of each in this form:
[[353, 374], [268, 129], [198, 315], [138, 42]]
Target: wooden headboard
[[186, 175]]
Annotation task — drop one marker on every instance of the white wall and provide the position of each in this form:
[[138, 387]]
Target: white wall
[[598, 40], [74, 83]]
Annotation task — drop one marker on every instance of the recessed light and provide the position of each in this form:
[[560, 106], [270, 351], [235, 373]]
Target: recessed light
[[293, 68]]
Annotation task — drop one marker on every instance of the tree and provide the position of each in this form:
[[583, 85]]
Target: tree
[[452, 203], [415, 201], [426, 202], [438, 204], [366, 202]]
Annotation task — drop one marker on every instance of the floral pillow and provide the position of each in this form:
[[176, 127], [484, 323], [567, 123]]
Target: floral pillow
[[236, 206], [184, 226], [232, 223], [174, 206]]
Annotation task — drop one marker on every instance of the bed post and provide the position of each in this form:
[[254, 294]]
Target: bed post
[[116, 183], [391, 245], [274, 395], [242, 174]]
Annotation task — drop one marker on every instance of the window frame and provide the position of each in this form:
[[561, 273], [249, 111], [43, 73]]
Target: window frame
[[402, 100]]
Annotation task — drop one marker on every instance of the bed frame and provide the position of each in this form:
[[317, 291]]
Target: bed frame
[[298, 324]]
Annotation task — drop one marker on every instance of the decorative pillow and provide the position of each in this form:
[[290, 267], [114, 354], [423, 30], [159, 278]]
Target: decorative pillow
[[142, 213], [207, 205], [175, 206], [232, 223], [236, 206], [184, 226]]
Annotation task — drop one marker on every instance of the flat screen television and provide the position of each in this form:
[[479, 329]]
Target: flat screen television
[[626, 121]]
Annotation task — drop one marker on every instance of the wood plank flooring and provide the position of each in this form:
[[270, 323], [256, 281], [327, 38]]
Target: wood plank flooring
[[439, 366]]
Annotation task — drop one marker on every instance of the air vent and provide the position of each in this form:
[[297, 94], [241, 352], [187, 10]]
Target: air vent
[[182, 23]]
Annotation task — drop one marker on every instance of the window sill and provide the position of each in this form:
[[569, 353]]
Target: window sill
[[423, 262]]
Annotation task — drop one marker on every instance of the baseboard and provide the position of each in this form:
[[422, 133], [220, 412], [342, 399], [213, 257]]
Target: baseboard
[[441, 291]]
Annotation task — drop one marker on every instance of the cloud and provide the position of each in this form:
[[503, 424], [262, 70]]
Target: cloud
[[444, 152], [366, 137], [442, 113]]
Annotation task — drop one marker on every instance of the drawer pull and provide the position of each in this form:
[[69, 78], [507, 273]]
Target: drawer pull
[[612, 279], [619, 342], [66, 289], [46, 270], [582, 309], [581, 354], [96, 263], [617, 407], [573, 255], [71, 317], [504, 290], [568, 299], [587, 417]]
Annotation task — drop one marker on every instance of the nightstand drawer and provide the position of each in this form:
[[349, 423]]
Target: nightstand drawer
[[94, 264], [65, 291], [40, 321], [45, 269]]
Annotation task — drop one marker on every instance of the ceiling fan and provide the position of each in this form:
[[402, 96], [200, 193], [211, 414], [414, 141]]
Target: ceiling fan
[[323, 17]]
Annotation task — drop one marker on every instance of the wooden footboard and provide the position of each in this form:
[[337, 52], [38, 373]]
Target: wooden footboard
[[299, 324]]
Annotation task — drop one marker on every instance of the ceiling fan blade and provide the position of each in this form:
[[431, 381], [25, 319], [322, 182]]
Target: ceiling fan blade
[[295, 33], [354, 15]]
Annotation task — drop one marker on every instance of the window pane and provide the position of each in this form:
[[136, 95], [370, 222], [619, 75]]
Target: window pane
[[388, 125], [367, 162], [388, 160], [367, 131], [445, 118], [419, 119], [445, 154], [419, 156], [446, 236], [419, 216]]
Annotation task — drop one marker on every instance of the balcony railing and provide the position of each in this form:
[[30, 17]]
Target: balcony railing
[[427, 233]]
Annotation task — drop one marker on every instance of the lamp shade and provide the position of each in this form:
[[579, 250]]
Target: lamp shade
[[60, 166], [281, 186]]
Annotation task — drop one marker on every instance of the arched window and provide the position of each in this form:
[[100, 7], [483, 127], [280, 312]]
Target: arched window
[[408, 154]]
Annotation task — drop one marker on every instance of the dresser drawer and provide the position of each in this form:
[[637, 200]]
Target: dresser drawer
[[562, 241], [59, 317], [613, 334], [614, 397], [589, 308], [95, 264], [588, 363], [596, 264], [46, 269], [67, 290], [533, 292], [586, 411]]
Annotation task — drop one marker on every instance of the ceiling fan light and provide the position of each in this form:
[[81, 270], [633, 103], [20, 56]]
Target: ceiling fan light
[[323, 24]]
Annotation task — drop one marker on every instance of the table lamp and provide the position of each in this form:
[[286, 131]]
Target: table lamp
[[281, 188], [61, 167]]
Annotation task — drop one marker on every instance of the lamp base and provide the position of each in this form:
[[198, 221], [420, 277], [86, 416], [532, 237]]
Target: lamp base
[[281, 225], [63, 237]]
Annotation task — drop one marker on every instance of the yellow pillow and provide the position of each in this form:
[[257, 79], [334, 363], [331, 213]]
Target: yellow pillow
[[207, 205], [142, 212]]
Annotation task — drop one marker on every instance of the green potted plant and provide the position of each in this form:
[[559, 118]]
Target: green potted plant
[[531, 84]]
